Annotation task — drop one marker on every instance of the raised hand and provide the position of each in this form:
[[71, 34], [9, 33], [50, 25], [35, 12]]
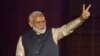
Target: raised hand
[[85, 12]]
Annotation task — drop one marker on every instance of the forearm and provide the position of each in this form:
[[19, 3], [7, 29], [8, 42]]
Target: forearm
[[66, 29], [70, 27], [74, 24]]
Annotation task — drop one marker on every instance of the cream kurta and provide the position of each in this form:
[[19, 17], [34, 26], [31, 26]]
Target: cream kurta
[[58, 33]]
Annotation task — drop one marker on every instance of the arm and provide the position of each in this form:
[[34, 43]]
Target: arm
[[20, 48], [66, 29], [59, 33]]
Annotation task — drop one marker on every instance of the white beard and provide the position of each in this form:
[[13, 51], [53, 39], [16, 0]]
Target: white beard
[[39, 31]]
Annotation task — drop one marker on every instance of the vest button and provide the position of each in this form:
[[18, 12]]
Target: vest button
[[37, 52]]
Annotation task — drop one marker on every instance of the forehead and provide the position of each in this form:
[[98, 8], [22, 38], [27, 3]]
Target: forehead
[[39, 18]]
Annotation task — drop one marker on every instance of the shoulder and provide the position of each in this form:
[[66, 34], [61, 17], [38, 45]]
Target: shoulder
[[27, 32]]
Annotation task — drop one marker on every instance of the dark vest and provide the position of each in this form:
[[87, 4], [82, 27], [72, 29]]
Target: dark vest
[[39, 45]]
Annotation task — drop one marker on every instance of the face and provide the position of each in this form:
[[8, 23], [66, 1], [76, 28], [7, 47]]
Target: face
[[39, 22]]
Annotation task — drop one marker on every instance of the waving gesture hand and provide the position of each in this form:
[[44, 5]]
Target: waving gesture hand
[[85, 12]]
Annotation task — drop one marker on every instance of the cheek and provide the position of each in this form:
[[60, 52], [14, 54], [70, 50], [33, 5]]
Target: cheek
[[43, 23], [36, 25]]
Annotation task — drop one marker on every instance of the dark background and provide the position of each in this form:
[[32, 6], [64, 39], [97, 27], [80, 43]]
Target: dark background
[[85, 41]]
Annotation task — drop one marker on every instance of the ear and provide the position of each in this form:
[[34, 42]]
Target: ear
[[30, 24]]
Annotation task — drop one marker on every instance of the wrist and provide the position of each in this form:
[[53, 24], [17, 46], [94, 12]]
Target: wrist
[[82, 18]]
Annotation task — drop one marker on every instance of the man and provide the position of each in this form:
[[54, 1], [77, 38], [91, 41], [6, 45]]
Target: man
[[40, 41]]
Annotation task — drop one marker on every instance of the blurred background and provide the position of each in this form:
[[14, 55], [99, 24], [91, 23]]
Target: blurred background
[[85, 41]]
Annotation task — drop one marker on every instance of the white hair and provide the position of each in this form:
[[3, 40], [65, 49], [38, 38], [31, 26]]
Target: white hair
[[34, 13]]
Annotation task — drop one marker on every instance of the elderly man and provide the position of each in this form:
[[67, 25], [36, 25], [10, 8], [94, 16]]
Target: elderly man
[[40, 41]]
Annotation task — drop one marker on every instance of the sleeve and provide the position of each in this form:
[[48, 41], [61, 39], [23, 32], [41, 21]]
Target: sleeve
[[59, 33], [20, 48]]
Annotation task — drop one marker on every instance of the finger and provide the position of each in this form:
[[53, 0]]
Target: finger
[[83, 7], [88, 7]]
